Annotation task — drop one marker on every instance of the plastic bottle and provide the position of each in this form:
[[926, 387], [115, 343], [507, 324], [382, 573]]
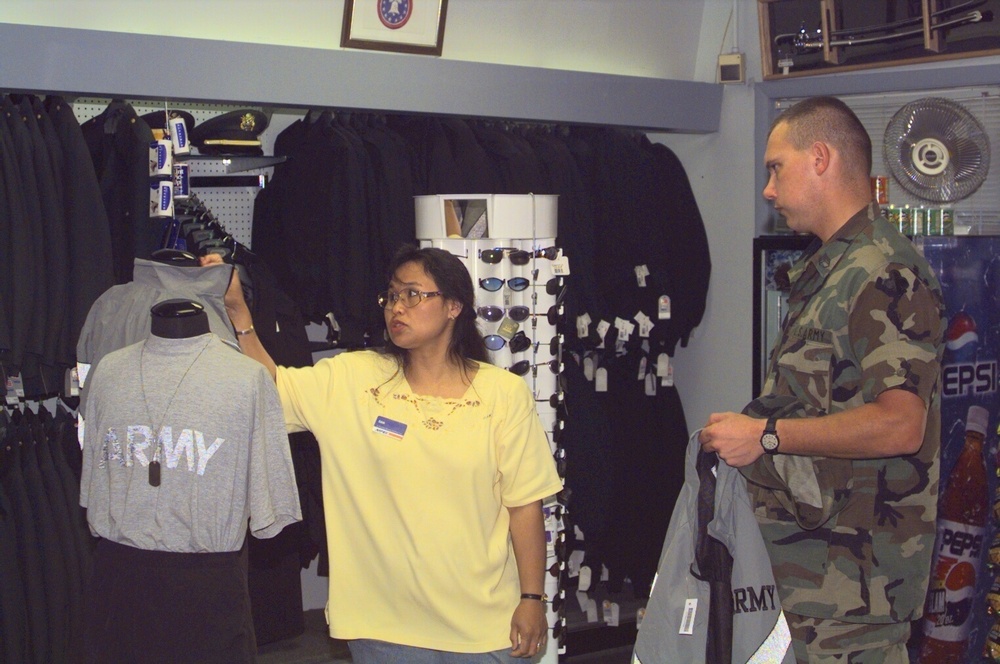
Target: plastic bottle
[[962, 514]]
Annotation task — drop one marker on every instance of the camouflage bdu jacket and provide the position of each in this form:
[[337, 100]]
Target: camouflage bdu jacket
[[865, 315]]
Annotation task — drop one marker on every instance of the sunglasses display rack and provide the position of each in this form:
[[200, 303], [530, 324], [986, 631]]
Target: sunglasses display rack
[[520, 287], [507, 242]]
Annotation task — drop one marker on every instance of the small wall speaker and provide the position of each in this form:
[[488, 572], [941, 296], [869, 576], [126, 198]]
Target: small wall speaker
[[731, 68]]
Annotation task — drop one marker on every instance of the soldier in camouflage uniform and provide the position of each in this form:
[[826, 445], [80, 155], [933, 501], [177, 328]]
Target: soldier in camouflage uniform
[[847, 501]]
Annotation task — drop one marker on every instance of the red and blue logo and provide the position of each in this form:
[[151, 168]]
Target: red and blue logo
[[394, 13], [961, 340]]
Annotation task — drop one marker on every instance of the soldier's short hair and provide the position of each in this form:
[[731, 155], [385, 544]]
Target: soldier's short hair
[[831, 121]]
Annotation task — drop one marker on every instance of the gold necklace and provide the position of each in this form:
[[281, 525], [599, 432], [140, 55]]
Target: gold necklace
[[154, 465]]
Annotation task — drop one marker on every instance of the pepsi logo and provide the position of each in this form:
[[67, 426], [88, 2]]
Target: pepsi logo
[[961, 332]]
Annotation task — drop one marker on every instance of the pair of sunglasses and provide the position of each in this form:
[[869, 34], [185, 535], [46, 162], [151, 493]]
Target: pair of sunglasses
[[517, 256], [519, 342], [492, 313], [493, 284], [524, 366]]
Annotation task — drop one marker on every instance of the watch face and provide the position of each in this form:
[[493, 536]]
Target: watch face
[[769, 442]]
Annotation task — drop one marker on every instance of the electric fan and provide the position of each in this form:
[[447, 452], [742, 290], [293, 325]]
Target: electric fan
[[936, 150]]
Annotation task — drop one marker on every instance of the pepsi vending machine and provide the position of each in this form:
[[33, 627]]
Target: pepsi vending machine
[[958, 615]]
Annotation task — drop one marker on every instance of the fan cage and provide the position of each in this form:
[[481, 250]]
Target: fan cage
[[979, 213]]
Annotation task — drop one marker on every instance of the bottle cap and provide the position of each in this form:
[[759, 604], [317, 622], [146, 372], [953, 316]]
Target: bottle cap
[[977, 420]]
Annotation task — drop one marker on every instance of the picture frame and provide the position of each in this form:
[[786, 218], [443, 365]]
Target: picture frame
[[400, 26]]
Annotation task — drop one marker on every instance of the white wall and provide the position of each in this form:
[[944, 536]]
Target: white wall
[[714, 372], [652, 38]]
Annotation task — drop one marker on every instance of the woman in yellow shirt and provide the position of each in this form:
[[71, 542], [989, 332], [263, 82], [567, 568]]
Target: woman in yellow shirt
[[434, 466]]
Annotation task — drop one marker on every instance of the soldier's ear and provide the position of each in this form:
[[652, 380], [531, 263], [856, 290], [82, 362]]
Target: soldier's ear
[[820, 156]]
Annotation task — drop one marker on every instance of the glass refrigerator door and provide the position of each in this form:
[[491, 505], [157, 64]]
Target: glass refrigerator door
[[773, 256]]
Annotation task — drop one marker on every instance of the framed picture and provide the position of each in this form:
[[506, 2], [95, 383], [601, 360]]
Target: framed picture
[[402, 26]]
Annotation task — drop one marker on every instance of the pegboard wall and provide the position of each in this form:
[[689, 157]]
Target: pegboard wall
[[231, 205]]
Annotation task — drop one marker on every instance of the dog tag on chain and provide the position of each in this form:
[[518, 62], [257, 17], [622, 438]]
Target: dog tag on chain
[[154, 473]]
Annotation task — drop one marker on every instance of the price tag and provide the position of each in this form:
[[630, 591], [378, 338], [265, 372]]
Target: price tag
[[687, 618], [602, 331], [663, 307], [641, 272], [611, 611], [645, 324], [583, 326], [601, 380], [575, 563], [508, 329], [560, 266], [15, 387], [583, 585]]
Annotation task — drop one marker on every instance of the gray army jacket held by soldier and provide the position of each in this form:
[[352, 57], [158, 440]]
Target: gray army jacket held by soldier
[[678, 625]]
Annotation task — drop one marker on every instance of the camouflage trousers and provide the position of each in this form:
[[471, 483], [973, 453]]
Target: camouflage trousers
[[832, 642]]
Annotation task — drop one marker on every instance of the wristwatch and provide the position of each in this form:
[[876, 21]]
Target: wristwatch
[[769, 439]]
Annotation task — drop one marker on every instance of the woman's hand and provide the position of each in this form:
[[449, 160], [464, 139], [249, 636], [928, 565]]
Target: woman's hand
[[528, 628], [236, 306]]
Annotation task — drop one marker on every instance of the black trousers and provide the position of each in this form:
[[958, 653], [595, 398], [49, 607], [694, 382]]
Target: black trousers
[[159, 606]]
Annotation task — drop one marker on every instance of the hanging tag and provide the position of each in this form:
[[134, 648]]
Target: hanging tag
[[601, 380], [629, 329], [154, 473], [611, 610], [575, 563], [640, 613], [71, 384], [663, 307], [82, 370], [560, 266], [589, 366], [642, 368], [508, 329], [645, 324], [15, 388], [641, 271], [508, 297], [592, 611], [585, 580], [662, 365], [668, 380], [687, 618], [583, 326], [621, 326], [602, 330], [650, 385]]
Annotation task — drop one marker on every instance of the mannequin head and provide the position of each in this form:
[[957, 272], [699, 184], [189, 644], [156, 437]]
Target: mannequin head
[[178, 319]]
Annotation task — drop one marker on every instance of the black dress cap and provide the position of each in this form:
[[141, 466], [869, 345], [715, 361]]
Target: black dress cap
[[233, 133]]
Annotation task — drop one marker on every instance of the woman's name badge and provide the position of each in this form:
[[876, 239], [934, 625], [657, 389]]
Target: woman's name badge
[[389, 427]]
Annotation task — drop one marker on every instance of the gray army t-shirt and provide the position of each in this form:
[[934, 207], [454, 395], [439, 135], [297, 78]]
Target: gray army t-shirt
[[224, 455]]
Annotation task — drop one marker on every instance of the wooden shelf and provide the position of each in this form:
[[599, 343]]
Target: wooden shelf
[[808, 37]]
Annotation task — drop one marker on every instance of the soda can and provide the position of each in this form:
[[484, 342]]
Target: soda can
[[906, 222], [940, 221], [918, 220], [161, 198], [179, 136], [891, 215], [880, 190], [160, 159], [182, 181]]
